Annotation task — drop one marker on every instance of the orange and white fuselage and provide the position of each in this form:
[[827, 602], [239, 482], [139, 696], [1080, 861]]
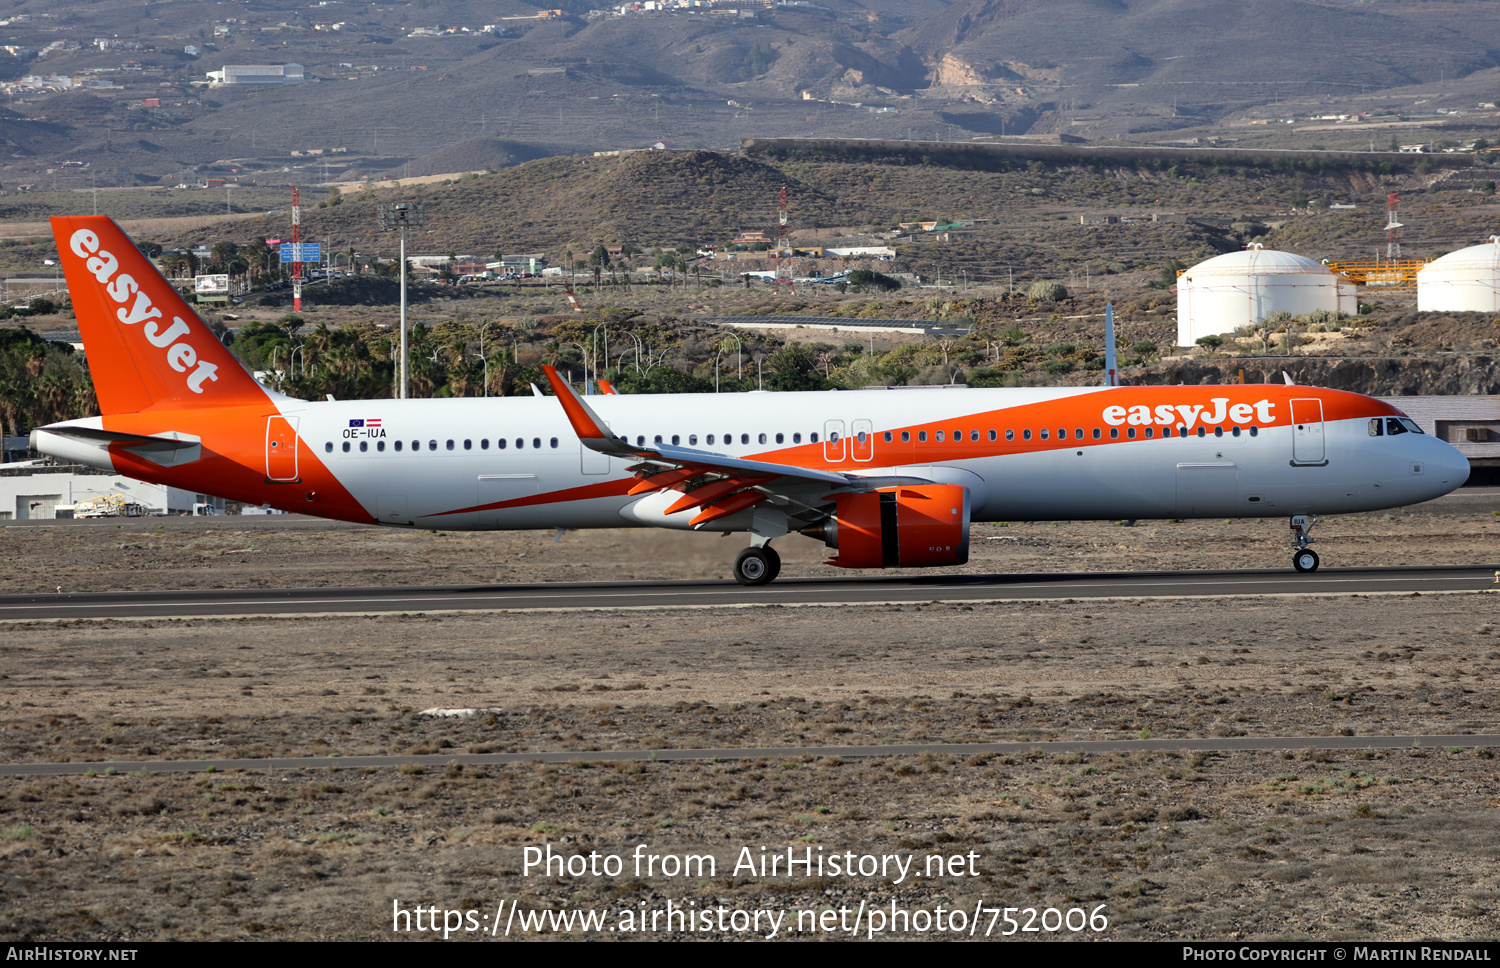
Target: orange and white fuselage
[[180, 410]]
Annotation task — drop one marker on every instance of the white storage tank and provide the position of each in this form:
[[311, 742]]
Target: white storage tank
[[1464, 281], [1238, 289]]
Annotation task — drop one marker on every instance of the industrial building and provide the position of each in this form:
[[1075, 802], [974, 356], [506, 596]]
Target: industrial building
[[1464, 281], [1239, 289], [256, 74], [29, 491]]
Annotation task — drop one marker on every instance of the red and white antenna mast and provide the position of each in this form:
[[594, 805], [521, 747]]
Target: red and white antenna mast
[[296, 253], [1392, 227], [783, 240]]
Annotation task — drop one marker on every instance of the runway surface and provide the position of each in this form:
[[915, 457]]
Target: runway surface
[[792, 592]]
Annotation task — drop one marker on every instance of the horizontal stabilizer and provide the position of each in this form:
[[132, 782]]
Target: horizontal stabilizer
[[90, 445]]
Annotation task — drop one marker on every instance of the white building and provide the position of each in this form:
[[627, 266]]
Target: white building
[[1464, 281], [1238, 289], [256, 74], [37, 491]]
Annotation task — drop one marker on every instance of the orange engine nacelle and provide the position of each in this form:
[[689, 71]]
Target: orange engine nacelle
[[901, 527]]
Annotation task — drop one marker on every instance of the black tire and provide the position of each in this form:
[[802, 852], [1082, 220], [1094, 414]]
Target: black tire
[[775, 562], [1305, 561], [755, 566]]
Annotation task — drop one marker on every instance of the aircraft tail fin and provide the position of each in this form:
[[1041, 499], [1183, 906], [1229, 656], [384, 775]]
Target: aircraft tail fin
[[146, 347]]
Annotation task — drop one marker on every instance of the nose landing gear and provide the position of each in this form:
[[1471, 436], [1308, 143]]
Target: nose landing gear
[[1304, 559], [757, 566]]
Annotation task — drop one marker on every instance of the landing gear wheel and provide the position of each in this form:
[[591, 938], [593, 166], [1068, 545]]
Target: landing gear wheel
[[756, 566], [1305, 561], [775, 562]]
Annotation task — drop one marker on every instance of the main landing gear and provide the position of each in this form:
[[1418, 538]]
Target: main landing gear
[[757, 566], [1304, 559]]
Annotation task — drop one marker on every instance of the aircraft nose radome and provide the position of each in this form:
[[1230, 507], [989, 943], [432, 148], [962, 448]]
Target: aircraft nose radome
[[1455, 467], [1448, 468]]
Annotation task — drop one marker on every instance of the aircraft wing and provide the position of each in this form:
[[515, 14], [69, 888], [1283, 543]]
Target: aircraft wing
[[717, 483]]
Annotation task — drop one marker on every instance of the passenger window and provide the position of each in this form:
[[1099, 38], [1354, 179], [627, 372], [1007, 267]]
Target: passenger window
[[676, 440], [416, 445], [1097, 434], [762, 438], [1010, 435], [1130, 433], [692, 440], [958, 435], [500, 444], [1026, 435], [974, 435], [364, 446], [797, 438], [1078, 434], [346, 446], [432, 445], [1254, 432], [780, 438], [1044, 433], [939, 436], [380, 446], [812, 438], [536, 443], [709, 440], [745, 438], [993, 435], [1236, 431], [1062, 433], [328, 447], [468, 444], [398, 446], [520, 443], [888, 436], [484, 443], [554, 443], [922, 436], [1218, 431], [658, 438], [1114, 433], [450, 445], [906, 436], [1150, 432], [640, 441], [1202, 432]]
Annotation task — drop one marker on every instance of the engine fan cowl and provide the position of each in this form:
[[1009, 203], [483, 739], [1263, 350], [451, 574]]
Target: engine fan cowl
[[915, 526]]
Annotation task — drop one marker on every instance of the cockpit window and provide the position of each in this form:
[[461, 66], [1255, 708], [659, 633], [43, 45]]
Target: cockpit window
[[1394, 426], [1377, 426]]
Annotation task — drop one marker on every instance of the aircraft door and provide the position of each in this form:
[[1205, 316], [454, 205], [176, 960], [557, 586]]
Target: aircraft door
[[834, 444], [593, 462], [281, 449], [862, 440], [1307, 430], [1207, 490]]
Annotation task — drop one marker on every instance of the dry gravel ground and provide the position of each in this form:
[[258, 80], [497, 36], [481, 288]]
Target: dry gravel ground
[[1356, 845]]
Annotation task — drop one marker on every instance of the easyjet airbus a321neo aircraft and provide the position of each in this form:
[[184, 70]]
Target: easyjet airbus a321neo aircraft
[[889, 478]]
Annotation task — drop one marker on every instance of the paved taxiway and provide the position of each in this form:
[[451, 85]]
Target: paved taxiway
[[793, 592]]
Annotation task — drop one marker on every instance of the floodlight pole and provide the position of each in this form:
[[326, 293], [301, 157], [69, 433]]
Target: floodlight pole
[[401, 216]]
